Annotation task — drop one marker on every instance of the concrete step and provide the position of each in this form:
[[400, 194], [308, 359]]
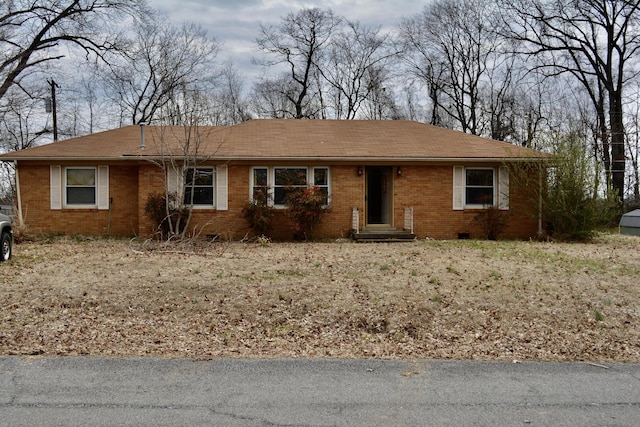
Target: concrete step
[[383, 235]]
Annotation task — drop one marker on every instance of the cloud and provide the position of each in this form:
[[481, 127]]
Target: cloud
[[235, 23]]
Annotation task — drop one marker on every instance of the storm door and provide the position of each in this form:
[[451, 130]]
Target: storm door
[[378, 197]]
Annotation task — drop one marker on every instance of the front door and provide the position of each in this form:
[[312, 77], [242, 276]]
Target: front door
[[378, 197]]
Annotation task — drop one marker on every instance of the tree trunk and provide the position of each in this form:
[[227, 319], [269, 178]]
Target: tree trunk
[[618, 159]]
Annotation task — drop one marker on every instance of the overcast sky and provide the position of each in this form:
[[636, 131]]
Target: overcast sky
[[235, 22]]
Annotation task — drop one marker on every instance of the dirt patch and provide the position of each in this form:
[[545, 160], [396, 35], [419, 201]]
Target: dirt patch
[[426, 299]]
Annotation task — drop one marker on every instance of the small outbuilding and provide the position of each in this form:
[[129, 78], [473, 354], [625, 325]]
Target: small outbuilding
[[630, 223]]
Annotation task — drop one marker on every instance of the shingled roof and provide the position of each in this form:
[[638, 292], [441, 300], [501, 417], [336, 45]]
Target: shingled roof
[[336, 140]]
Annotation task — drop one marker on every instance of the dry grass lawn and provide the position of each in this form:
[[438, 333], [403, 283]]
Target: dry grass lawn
[[426, 299]]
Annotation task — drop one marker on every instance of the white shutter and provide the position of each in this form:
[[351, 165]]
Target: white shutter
[[222, 187], [458, 188], [503, 188], [103, 187], [56, 187], [174, 180]]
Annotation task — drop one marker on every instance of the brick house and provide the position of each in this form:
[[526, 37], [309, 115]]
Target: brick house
[[379, 176]]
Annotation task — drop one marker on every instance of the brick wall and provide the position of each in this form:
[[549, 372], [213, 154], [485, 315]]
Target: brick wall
[[428, 189], [121, 219]]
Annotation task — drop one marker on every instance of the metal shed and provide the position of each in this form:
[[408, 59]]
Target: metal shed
[[630, 223]]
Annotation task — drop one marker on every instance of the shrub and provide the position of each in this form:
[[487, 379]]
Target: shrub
[[258, 213], [168, 219], [574, 211], [305, 207], [492, 220], [573, 204]]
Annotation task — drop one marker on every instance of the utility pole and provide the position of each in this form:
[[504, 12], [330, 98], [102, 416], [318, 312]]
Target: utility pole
[[54, 85]]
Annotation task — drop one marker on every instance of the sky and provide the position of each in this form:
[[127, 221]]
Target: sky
[[235, 22]]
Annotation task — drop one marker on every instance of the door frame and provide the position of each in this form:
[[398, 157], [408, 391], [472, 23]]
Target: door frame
[[378, 198]]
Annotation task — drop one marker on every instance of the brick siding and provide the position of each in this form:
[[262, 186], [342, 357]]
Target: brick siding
[[121, 219], [428, 189]]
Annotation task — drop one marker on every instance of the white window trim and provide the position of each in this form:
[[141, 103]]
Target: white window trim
[[500, 188], [64, 188], [101, 187], [494, 186], [269, 186], [271, 178], [313, 176], [175, 184], [213, 204]]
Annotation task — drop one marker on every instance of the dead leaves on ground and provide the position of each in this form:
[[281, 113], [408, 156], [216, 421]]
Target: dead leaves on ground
[[462, 300]]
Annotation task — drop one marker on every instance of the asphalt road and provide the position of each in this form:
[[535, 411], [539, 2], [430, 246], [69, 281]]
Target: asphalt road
[[97, 391]]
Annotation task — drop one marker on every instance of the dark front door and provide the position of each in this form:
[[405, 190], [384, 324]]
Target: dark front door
[[379, 189]]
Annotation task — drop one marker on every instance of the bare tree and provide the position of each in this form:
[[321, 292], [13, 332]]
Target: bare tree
[[230, 105], [181, 157], [271, 98], [379, 102], [423, 62], [298, 43], [23, 124], [93, 109], [162, 61], [351, 67], [449, 47], [632, 129], [594, 41], [33, 31]]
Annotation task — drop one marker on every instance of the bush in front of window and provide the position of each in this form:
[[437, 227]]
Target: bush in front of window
[[258, 213], [492, 220], [168, 220], [305, 208]]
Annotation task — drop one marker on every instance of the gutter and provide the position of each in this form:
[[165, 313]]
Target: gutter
[[390, 160], [281, 158], [61, 159], [540, 203], [18, 195]]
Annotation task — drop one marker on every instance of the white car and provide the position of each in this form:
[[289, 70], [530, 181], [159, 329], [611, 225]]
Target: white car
[[6, 237]]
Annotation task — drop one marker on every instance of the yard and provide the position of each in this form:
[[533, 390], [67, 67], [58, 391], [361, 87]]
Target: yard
[[426, 299]]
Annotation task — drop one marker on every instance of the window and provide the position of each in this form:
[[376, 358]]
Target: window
[[199, 187], [286, 180], [479, 187], [260, 185], [282, 180], [80, 186], [321, 180]]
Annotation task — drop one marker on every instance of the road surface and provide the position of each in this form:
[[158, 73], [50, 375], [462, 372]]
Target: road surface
[[314, 392]]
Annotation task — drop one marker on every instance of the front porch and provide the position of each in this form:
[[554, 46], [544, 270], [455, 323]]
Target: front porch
[[383, 234]]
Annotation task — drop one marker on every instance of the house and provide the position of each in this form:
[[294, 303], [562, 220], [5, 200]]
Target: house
[[384, 176]]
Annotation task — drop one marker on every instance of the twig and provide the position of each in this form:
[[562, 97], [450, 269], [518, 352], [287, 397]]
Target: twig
[[597, 365]]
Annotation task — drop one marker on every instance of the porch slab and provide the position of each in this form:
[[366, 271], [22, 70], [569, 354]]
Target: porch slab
[[382, 235]]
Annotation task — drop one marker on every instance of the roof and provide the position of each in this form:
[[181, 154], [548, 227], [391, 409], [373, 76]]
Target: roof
[[631, 219], [277, 139]]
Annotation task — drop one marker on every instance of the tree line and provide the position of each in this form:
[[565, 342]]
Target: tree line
[[546, 74]]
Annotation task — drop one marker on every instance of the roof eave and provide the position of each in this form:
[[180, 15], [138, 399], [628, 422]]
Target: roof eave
[[59, 159], [376, 159], [392, 159]]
